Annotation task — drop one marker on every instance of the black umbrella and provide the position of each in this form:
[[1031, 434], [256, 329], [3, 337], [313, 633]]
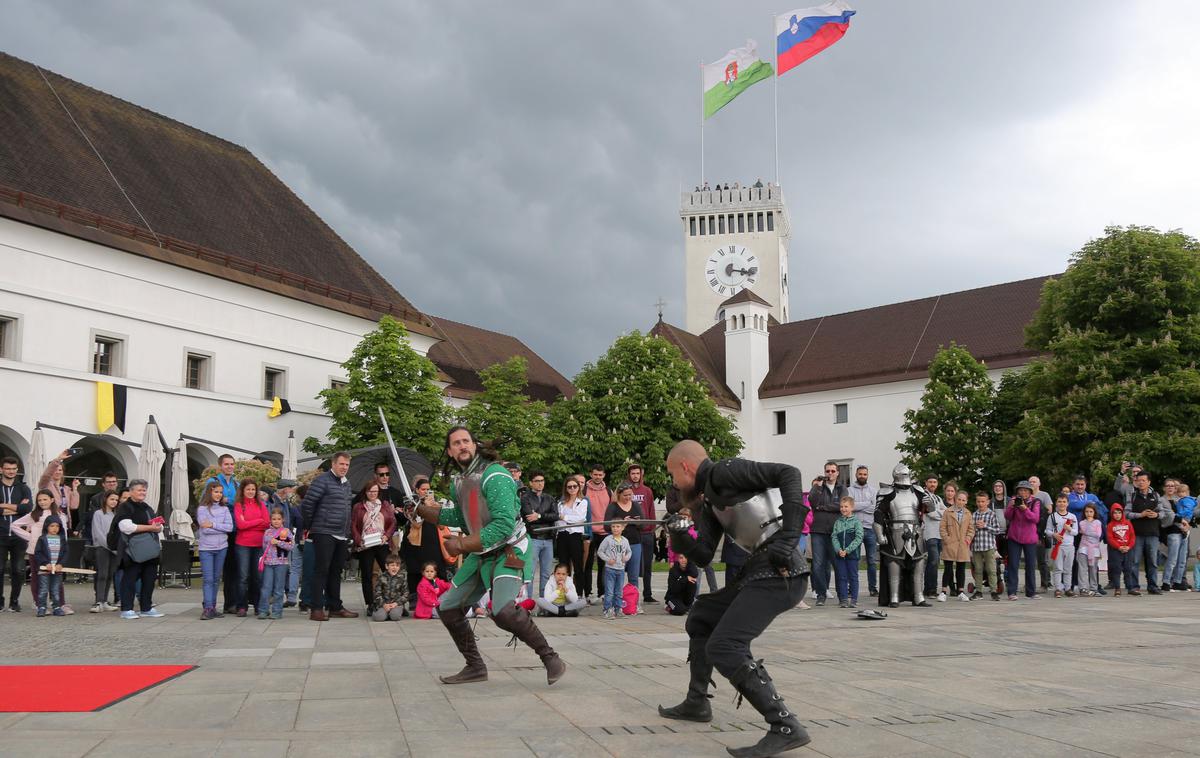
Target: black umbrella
[[363, 463]]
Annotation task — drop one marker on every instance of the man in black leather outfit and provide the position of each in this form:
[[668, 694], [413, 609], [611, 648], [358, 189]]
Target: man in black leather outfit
[[729, 498]]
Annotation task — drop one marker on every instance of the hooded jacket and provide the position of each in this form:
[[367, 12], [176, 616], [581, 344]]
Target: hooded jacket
[[1120, 533], [41, 553]]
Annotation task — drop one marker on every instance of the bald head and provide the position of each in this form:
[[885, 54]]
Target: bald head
[[683, 461]]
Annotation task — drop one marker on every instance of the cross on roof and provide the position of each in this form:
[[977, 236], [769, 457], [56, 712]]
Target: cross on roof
[[660, 304]]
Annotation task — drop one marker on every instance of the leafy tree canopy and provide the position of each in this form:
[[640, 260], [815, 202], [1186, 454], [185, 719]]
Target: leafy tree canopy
[[505, 416]]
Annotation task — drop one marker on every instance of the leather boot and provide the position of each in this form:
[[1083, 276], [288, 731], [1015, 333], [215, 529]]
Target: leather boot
[[784, 729], [695, 706], [455, 621], [516, 621]]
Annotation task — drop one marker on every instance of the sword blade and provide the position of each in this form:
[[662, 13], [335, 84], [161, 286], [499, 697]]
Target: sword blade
[[560, 527], [408, 493]]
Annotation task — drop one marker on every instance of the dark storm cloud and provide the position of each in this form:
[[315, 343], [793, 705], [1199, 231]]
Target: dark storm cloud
[[517, 166]]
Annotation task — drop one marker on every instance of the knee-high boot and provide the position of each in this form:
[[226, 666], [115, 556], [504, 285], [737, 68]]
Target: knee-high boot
[[784, 730], [695, 706], [455, 621], [516, 621]]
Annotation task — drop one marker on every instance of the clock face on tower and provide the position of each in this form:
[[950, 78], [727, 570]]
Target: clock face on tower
[[731, 269]]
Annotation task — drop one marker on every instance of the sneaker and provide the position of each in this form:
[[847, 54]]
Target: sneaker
[[67, 610], [964, 597], [874, 593], [843, 604], [59, 612], [96, 608], [649, 600], [853, 604], [1117, 592], [289, 603], [1058, 593], [153, 613], [207, 614], [1180, 587], [1012, 597], [1101, 591], [41, 612], [588, 599], [277, 616], [803, 606], [262, 616], [820, 602], [241, 613], [995, 596], [640, 611], [106, 607], [1167, 588], [1035, 596], [14, 608], [941, 598], [130, 615], [1070, 593]]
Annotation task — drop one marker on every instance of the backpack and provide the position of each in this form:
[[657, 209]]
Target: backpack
[[629, 597]]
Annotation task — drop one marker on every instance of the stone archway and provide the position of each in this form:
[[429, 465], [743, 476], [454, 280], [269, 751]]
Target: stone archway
[[199, 457], [12, 443]]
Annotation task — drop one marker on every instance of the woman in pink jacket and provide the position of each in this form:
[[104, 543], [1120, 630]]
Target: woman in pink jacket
[[1022, 514], [252, 520]]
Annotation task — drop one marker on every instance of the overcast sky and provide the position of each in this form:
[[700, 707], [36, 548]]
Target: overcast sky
[[517, 166]]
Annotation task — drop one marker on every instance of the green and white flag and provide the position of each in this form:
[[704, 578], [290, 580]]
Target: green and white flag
[[732, 75]]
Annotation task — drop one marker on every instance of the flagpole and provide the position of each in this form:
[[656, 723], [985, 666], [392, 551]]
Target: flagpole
[[701, 122], [775, 74]]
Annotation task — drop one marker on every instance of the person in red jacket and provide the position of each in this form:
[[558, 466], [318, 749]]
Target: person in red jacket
[[1121, 540], [252, 519], [429, 590]]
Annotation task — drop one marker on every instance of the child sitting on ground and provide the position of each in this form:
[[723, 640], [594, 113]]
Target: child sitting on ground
[[847, 538], [682, 586], [391, 591], [429, 589], [559, 597], [48, 558], [615, 552]]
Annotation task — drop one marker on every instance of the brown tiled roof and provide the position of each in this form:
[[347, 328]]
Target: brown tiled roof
[[467, 350], [702, 352], [187, 184], [888, 343]]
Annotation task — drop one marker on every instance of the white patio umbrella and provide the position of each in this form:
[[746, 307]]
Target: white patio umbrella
[[180, 521], [290, 469], [150, 463], [37, 457]]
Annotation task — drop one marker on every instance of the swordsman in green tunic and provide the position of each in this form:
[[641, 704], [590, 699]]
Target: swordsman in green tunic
[[495, 546]]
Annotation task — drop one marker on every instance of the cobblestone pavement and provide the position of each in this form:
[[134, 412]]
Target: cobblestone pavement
[[1083, 676]]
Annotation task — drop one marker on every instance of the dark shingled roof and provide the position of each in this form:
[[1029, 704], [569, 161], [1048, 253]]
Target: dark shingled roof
[[889, 343], [467, 350], [187, 184], [703, 353]]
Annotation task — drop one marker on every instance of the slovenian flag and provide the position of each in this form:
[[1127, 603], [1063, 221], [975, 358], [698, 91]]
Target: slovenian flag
[[731, 76], [801, 34]]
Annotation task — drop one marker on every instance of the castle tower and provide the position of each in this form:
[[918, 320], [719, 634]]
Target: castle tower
[[734, 240]]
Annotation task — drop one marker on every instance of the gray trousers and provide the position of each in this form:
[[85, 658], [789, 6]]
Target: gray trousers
[[1089, 574], [394, 614]]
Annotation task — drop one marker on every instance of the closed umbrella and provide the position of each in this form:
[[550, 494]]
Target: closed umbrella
[[181, 522], [37, 457], [290, 468], [150, 463]]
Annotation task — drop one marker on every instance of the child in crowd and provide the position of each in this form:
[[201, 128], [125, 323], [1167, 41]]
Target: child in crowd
[[391, 591], [1061, 528], [559, 597], [48, 558], [105, 560], [1087, 558], [276, 557], [29, 528], [847, 538], [983, 547], [429, 589], [1121, 539], [615, 552], [682, 586], [216, 523], [957, 531]]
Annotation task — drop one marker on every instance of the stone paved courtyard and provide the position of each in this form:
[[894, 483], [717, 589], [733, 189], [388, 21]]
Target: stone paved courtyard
[[1096, 676]]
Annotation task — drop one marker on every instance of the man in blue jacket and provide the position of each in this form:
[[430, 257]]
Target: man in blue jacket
[[326, 514]]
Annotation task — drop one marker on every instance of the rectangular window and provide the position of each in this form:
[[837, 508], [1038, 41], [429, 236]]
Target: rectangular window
[[781, 422], [712, 224], [770, 221], [840, 413], [337, 384], [729, 223], [8, 337], [197, 370], [106, 355], [760, 221], [741, 222], [702, 232], [274, 383], [693, 225], [721, 223]]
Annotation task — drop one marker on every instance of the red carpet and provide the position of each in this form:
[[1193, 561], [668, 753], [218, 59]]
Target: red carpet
[[76, 689]]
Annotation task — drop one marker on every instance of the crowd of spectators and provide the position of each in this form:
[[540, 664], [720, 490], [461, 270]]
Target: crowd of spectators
[[267, 547]]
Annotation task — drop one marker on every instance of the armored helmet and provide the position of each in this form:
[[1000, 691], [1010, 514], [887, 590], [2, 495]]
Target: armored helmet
[[902, 476]]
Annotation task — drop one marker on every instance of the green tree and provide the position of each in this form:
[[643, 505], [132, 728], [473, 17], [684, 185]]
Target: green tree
[[504, 415], [385, 372], [634, 404], [950, 434], [1121, 329], [1007, 412]]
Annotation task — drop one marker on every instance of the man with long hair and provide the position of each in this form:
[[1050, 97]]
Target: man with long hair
[[496, 550]]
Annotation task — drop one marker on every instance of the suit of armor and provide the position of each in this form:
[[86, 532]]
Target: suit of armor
[[898, 513]]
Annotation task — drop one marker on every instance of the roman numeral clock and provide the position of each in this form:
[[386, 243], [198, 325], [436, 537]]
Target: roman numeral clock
[[733, 240]]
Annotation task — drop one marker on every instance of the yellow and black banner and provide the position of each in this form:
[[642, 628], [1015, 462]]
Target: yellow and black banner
[[279, 407], [110, 405]]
